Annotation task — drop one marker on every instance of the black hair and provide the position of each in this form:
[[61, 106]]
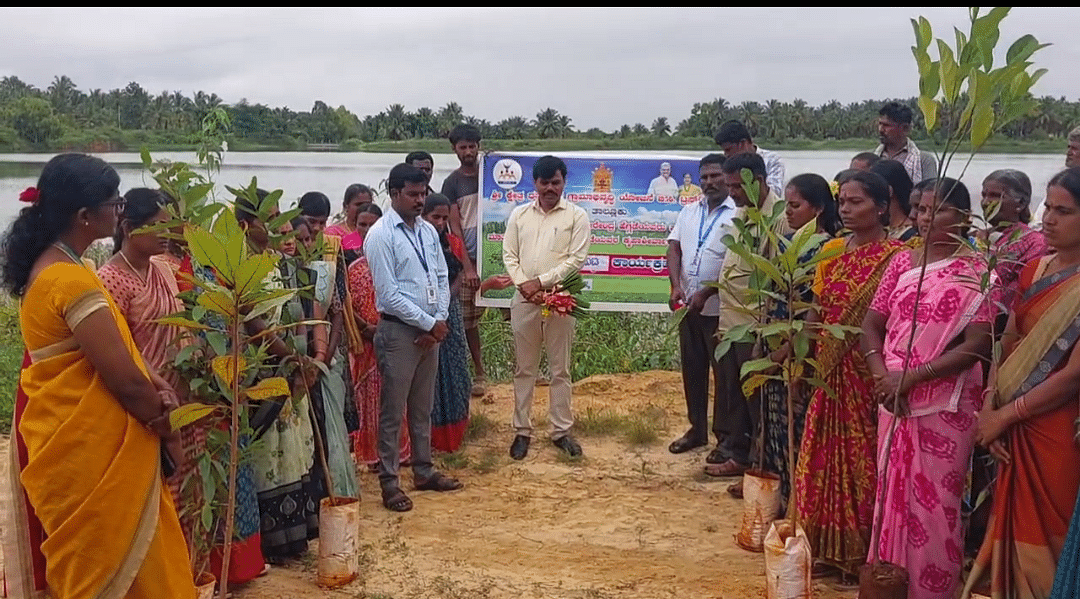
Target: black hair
[[314, 203], [899, 180], [298, 221], [435, 200], [68, 183], [464, 132], [140, 205], [717, 159], [1069, 180], [245, 211], [875, 186], [545, 167], [370, 207], [402, 174], [418, 155], [949, 191], [897, 112], [815, 190], [746, 160], [869, 158], [356, 189], [732, 132]]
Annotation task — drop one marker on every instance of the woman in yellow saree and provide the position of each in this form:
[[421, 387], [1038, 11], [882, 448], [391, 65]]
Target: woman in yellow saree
[[94, 416]]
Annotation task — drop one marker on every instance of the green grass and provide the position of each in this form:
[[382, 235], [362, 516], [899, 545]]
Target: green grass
[[604, 343], [11, 355], [639, 429], [480, 425]]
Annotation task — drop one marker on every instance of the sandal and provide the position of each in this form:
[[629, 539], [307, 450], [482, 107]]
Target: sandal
[[717, 456], [735, 490], [439, 482], [396, 501], [728, 468]]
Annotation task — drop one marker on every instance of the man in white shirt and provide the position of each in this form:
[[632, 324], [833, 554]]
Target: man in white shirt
[[734, 138], [545, 240], [665, 185], [694, 257], [412, 294]]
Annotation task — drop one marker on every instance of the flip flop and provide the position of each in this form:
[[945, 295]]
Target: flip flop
[[397, 501]]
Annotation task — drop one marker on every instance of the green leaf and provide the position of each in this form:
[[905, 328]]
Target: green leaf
[[208, 250], [722, 348], [179, 321], [752, 366], [144, 154], [982, 125], [802, 346], [218, 301], [950, 73], [929, 80], [265, 307], [253, 270], [929, 108], [218, 342]]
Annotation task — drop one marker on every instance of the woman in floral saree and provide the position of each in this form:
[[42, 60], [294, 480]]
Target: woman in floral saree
[[1028, 423], [834, 478], [930, 390]]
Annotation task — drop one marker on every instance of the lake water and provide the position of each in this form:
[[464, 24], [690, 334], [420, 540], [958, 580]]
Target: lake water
[[331, 172]]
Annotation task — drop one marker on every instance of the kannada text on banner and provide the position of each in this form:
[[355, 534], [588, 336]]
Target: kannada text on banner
[[632, 203]]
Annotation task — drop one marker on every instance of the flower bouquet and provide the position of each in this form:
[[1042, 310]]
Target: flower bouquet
[[565, 297]]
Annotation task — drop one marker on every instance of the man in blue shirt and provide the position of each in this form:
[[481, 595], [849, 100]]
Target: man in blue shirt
[[412, 294]]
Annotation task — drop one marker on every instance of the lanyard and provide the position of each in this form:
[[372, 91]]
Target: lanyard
[[415, 247], [702, 236]]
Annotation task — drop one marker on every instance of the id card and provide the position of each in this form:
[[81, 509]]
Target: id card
[[695, 266], [432, 295]]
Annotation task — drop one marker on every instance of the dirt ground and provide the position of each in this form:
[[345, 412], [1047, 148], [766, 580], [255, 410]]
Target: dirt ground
[[627, 521]]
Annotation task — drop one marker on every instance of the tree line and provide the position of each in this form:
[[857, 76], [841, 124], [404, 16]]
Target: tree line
[[62, 116]]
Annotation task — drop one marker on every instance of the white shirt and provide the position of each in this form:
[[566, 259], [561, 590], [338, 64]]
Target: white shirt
[[660, 187], [775, 171], [699, 233]]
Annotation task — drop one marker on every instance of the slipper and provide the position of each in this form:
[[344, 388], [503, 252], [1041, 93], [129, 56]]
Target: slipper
[[717, 456], [735, 490], [728, 468], [439, 482], [822, 570], [396, 501]]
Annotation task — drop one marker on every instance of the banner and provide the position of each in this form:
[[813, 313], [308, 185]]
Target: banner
[[632, 202]]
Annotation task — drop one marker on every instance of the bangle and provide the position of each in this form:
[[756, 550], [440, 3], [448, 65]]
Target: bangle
[[867, 355], [1021, 408], [930, 370]]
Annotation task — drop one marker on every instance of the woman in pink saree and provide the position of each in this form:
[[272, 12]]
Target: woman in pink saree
[[931, 390]]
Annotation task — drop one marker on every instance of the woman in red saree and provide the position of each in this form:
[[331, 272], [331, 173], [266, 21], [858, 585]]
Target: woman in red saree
[[923, 338], [835, 475], [367, 382], [1028, 424]]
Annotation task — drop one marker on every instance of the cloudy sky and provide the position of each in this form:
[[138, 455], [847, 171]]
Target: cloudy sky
[[602, 67]]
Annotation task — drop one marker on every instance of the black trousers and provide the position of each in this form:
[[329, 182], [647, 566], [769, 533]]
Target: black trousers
[[697, 344], [735, 416]]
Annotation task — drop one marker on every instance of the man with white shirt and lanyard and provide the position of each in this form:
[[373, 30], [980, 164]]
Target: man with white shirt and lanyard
[[412, 294], [694, 256]]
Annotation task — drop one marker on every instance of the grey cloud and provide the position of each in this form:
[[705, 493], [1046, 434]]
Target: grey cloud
[[602, 67]]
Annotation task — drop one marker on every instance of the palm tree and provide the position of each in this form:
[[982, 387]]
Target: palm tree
[[660, 127], [63, 94], [548, 123], [397, 122], [426, 123], [450, 116], [640, 130], [515, 127]]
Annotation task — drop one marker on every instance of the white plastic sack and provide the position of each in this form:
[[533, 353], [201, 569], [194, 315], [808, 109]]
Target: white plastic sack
[[787, 562], [339, 526], [761, 505]]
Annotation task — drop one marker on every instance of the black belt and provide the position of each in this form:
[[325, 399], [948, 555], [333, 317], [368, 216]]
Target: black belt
[[392, 318]]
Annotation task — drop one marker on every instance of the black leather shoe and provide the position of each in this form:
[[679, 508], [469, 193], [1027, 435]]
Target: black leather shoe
[[686, 443], [520, 447], [569, 445]]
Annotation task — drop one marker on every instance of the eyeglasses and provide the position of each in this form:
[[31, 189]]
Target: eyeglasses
[[118, 205]]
